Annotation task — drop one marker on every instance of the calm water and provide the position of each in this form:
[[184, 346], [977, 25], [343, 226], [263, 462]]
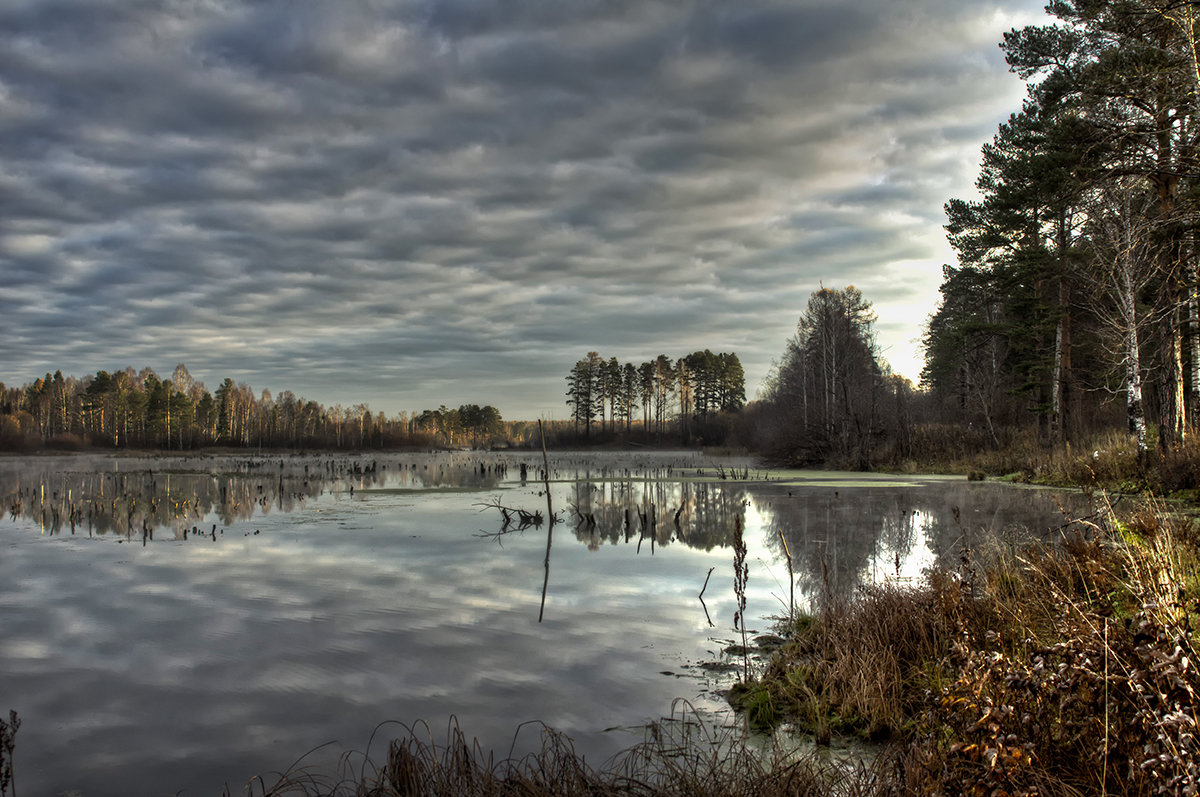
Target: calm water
[[175, 625]]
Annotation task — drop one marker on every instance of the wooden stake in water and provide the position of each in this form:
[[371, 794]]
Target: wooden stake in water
[[549, 518], [701, 596], [546, 473]]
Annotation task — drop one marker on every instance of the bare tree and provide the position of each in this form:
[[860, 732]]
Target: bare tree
[[1125, 263]]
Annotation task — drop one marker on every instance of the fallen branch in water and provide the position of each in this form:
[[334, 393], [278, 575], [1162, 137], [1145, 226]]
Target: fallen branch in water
[[701, 596], [523, 519]]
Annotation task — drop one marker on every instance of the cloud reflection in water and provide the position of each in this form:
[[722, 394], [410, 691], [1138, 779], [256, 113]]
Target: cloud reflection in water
[[187, 664]]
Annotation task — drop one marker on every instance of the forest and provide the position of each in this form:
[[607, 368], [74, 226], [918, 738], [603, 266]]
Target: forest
[[130, 409], [691, 399], [1076, 281], [695, 398], [1071, 316]]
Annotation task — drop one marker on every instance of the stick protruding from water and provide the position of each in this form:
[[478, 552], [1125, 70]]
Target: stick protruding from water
[[549, 517]]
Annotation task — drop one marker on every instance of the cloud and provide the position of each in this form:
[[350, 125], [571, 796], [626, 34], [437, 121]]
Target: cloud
[[416, 203]]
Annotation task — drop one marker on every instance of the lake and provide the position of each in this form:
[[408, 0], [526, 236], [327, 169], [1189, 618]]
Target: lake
[[175, 624]]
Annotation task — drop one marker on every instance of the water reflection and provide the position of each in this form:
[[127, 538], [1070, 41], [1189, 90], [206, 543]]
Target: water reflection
[[698, 514], [840, 533], [840, 530], [367, 598], [139, 497], [841, 537]]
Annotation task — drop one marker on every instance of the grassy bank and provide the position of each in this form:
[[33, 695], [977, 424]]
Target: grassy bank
[[1107, 460], [1050, 668]]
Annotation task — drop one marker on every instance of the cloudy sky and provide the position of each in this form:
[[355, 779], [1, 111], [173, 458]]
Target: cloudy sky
[[423, 202]]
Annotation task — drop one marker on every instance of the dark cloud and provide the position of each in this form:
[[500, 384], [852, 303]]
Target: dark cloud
[[415, 203]]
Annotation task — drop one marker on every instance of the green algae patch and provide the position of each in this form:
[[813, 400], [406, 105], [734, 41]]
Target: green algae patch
[[426, 490], [854, 479], [849, 484]]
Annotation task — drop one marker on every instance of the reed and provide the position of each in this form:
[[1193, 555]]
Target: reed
[[741, 575], [682, 755], [8, 740]]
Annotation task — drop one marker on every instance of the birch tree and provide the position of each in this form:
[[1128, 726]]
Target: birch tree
[[1125, 265]]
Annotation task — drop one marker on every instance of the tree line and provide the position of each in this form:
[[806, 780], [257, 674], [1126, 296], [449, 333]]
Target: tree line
[[132, 409], [686, 395], [1076, 278], [832, 396]]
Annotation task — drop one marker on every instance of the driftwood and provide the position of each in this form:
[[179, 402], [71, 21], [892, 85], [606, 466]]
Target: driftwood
[[515, 519]]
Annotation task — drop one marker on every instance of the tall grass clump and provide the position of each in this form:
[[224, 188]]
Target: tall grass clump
[[854, 667], [741, 576]]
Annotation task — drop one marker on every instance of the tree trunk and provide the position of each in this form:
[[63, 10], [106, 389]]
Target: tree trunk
[[1193, 343], [1133, 393], [1171, 413]]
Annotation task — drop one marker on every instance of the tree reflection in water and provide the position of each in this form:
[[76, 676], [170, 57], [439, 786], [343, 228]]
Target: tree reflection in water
[[842, 530], [843, 536], [840, 533], [129, 496]]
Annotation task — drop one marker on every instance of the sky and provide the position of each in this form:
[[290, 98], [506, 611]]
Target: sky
[[416, 203]]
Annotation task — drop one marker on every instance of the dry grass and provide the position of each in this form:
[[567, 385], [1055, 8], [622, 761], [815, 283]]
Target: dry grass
[[8, 737], [851, 668], [1063, 668], [1106, 460], [1103, 461], [681, 756]]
